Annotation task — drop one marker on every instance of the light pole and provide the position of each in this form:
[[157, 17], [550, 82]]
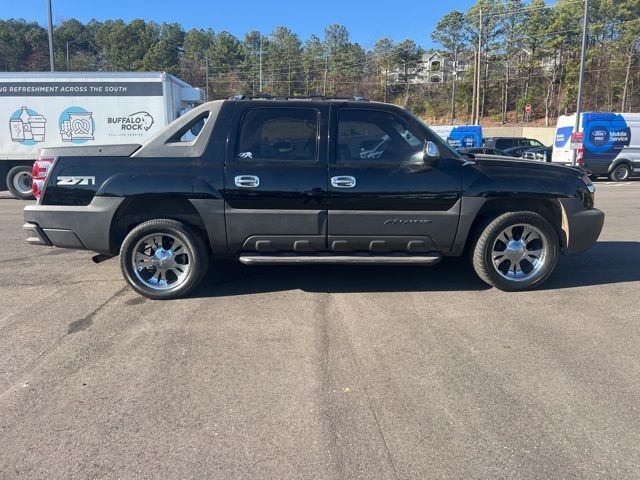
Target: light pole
[[50, 18], [260, 89], [206, 73], [583, 58], [68, 43]]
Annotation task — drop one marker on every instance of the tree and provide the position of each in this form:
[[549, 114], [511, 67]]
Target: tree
[[163, 55], [23, 46], [252, 44], [123, 46], [75, 38], [408, 55], [192, 59], [510, 24], [491, 9], [226, 55], [533, 31], [336, 40], [283, 54], [451, 34], [385, 59], [313, 64]]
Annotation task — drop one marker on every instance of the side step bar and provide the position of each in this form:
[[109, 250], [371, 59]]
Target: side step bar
[[291, 259]]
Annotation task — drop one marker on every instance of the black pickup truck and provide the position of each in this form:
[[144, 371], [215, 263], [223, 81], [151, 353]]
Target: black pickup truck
[[315, 180]]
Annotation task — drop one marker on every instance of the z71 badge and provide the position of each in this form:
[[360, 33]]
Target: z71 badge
[[76, 181]]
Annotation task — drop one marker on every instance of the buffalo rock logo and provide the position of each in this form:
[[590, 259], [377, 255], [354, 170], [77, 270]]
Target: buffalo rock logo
[[135, 122]]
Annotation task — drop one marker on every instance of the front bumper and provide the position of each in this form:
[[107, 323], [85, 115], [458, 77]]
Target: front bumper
[[79, 227], [581, 226]]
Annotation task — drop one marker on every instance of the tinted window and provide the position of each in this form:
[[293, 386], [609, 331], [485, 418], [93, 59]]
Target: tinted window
[[190, 132], [278, 134], [374, 136], [505, 143]]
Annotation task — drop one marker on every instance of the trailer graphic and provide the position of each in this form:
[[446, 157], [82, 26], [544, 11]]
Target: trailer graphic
[[54, 109], [27, 126]]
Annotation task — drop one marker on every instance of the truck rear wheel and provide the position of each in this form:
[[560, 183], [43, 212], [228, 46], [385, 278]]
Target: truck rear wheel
[[164, 259], [516, 251], [19, 182]]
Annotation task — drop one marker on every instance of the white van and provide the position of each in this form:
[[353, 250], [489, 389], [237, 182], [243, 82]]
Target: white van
[[611, 144]]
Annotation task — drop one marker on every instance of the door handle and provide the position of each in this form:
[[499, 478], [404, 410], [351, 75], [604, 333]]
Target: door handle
[[247, 181], [343, 181]]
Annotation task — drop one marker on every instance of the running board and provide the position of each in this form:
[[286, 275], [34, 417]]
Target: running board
[[290, 259]]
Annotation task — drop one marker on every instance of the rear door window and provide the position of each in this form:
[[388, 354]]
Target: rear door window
[[278, 134]]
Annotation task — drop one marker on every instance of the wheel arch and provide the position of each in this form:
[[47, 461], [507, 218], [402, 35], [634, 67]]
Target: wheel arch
[[621, 161], [135, 210], [548, 208]]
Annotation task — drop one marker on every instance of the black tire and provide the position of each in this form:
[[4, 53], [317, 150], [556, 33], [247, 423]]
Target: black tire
[[195, 250], [621, 173], [19, 182], [487, 240]]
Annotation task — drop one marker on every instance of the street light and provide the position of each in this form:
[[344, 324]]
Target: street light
[[583, 58], [68, 43], [50, 18]]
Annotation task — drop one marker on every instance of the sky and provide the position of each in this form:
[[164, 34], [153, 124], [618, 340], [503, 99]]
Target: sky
[[367, 21]]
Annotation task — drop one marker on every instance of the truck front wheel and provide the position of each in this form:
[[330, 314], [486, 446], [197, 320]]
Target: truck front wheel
[[19, 182], [516, 251], [163, 259]]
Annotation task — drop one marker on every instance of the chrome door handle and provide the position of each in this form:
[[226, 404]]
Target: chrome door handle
[[343, 181], [247, 181]]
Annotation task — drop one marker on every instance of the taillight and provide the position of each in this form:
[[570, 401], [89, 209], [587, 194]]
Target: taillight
[[39, 172], [580, 156]]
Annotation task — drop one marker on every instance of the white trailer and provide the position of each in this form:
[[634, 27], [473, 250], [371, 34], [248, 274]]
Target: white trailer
[[44, 109]]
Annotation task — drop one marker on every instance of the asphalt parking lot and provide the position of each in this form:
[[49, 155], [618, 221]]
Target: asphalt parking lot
[[322, 372]]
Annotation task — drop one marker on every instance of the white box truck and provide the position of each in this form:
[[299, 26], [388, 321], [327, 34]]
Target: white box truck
[[81, 108], [611, 144]]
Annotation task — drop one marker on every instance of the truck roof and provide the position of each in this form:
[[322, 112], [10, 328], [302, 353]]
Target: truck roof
[[43, 76]]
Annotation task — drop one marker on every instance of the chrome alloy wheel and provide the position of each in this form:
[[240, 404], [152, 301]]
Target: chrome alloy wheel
[[519, 253], [161, 261], [22, 182]]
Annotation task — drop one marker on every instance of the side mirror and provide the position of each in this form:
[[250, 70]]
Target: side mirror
[[430, 153]]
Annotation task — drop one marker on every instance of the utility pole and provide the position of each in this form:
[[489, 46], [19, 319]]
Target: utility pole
[[479, 76], [206, 73], [50, 17], [67, 55], [260, 63], [453, 85], [583, 58], [326, 71]]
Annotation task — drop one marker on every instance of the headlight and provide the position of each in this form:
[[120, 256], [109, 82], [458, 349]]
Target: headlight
[[588, 196], [587, 181]]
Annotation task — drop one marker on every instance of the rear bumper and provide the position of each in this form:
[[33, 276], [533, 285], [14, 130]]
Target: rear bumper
[[79, 227], [35, 235], [581, 226]]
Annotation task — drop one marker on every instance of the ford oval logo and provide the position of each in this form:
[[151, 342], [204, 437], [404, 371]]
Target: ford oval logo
[[599, 133]]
